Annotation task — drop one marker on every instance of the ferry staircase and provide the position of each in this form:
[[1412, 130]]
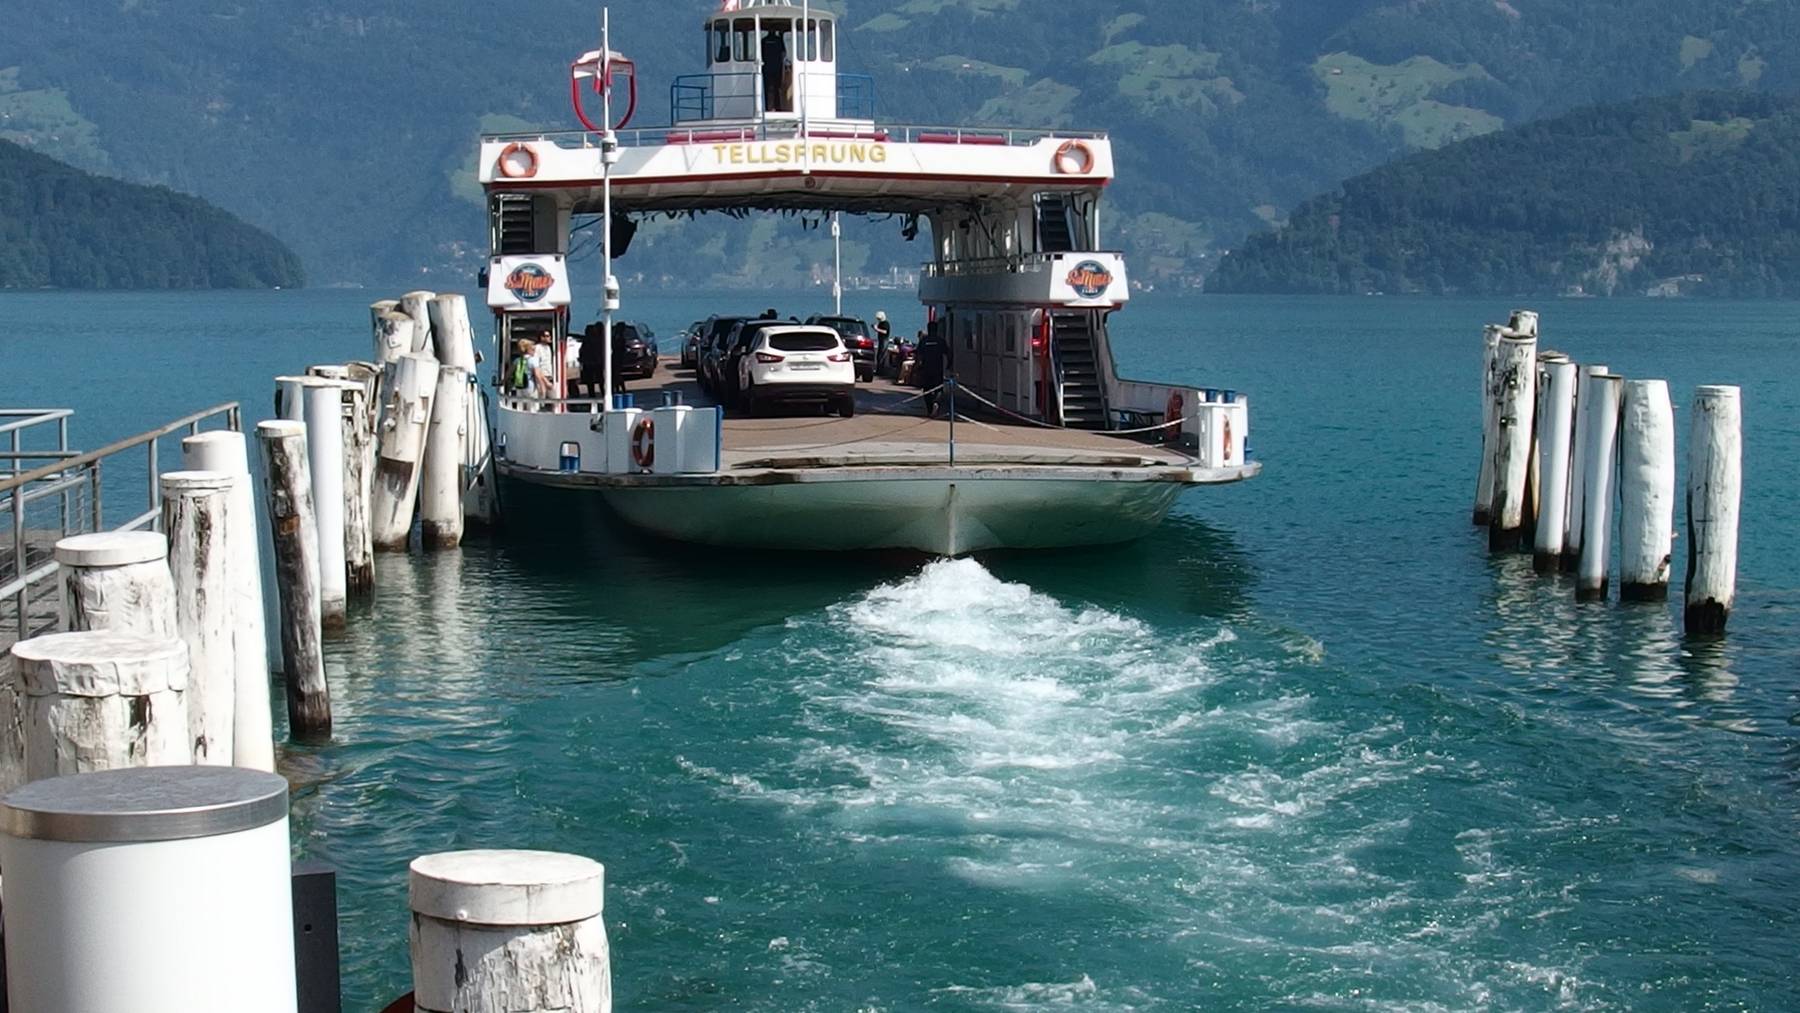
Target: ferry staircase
[[515, 232], [1054, 234], [1078, 367]]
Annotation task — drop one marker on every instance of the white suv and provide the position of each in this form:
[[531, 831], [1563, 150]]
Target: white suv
[[799, 364]]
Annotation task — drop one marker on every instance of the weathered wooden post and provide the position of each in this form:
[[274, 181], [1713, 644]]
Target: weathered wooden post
[[296, 576], [394, 336], [1602, 458], [417, 305], [1578, 469], [117, 580], [359, 462], [441, 476], [1714, 495], [159, 890], [100, 699], [1646, 491], [377, 310], [1516, 388], [197, 517], [325, 466], [453, 339], [404, 424], [1484, 482], [290, 401], [253, 736], [1556, 413], [509, 932]]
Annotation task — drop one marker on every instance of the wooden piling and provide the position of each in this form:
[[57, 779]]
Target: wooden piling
[[196, 514], [452, 336], [100, 700], [1714, 496], [1646, 491], [401, 451], [1578, 470], [417, 305], [290, 403], [295, 535], [1515, 390], [1556, 413], [253, 738], [500, 931], [1484, 481], [117, 580], [1597, 502], [325, 466], [394, 337], [441, 482]]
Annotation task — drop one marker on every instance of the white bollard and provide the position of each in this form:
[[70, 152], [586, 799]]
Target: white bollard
[[290, 400], [325, 466], [405, 423], [296, 540], [1524, 322], [159, 890], [1715, 492], [1646, 491], [1484, 482], [509, 932], [1578, 469], [117, 580], [1514, 405], [441, 473], [453, 339], [378, 309], [1556, 415], [417, 305], [98, 700], [253, 736], [1597, 502], [394, 336], [196, 513]]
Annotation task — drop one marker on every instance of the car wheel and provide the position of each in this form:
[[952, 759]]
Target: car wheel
[[847, 406]]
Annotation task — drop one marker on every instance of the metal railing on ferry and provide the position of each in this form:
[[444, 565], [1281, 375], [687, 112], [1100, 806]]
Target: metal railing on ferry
[[695, 97], [765, 130], [43, 503], [1016, 263]]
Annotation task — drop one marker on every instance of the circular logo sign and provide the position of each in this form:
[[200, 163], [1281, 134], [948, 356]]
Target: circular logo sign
[[1090, 279], [529, 282]]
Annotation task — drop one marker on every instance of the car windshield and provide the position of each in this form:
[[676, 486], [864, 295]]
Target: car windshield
[[623, 332], [803, 341], [722, 326], [847, 326]]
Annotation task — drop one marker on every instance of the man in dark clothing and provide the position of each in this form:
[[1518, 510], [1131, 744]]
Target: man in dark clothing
[[932, 363], [883, 331], [774, 72]]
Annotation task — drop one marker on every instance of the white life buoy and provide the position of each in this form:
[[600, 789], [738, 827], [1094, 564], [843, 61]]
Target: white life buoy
[[517, 161], [1074, 158], [643, 443]]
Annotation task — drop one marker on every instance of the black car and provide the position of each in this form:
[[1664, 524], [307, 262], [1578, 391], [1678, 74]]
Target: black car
[[634, 353], [859, 341], [712, 344], [690, 344]]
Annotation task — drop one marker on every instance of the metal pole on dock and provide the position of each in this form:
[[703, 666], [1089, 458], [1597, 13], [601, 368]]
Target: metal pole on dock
[[196, 514], [837, 266], [1646, 491], [296, 576], [1602, 456], [609, 155], [1714, 495], [325, 465]]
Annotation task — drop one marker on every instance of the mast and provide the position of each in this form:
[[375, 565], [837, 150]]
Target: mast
[[609, 153]]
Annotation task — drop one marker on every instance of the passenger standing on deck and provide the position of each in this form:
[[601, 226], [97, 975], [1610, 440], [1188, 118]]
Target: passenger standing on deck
[[883, 331], [543, 367], [933, 362]]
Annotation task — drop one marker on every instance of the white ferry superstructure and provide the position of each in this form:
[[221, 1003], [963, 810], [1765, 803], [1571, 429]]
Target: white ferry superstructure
[[1053, 448]]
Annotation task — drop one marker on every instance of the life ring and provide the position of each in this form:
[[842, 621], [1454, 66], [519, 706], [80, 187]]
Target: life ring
[[510, 166], [1227, 459], [1074, 158], [643, 443], [1172, 414]]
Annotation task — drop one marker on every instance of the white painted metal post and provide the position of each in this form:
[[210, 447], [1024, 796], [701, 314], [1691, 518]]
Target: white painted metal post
[[1484, 482], [1597, 502], [505, 931], [441, 481], [290, 397], [296, 540], [1646, 491], [325, 467], [197, 517], [1555, 424], [1715, 492], [98, 700], [837, 266], [1516, 394]]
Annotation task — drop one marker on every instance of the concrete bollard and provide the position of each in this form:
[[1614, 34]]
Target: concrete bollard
[[1578, 470], [1714, 495], [117, 580], [253, 736], [1646, 491], [1515, 393], [1601, 459], [325, 466], [417, 305], [159, 890], [99, 700], [441, 473], [405, 422], [196, 513], [509, 932], [1484, 482], [296, 576], [1556, 415]]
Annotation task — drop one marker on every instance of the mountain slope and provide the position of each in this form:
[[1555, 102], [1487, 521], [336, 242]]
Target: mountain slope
[[64, 228], [1685, 194], [351, 131]]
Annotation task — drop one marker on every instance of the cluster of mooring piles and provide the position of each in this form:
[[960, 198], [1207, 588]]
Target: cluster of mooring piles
[[1563, 443]]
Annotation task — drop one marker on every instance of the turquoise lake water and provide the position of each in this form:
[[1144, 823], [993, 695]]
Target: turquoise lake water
[[1309, 746]]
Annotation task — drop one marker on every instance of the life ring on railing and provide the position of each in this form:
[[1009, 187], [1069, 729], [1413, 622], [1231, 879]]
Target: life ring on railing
[[1172, 415], [513, 166], [1074, 158], [643, 443]]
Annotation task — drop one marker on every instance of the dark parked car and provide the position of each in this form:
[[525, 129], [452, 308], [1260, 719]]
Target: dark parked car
[[712, 345], [728, 377], [634, 353], [690, 344], [859, 341]]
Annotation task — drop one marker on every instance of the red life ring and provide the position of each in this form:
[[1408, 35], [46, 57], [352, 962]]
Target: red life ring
[[1074, 158], [643, 443], [509, 166], [1227, 440], [1172, 433]]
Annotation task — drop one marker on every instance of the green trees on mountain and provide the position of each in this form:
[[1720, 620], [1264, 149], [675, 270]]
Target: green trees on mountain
[[1691, 194], [63, 228]]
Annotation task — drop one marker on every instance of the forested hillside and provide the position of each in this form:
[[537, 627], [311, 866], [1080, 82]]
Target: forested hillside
[[1693, 194], [350, 130], [64, 228]]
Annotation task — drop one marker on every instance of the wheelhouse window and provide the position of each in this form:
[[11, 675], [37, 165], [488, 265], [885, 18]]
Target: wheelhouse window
[[718, 49], [743, 37]]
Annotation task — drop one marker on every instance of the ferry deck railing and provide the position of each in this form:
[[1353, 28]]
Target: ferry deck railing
[[787, 129], [42, 504], [693, 97], [1015, 263]]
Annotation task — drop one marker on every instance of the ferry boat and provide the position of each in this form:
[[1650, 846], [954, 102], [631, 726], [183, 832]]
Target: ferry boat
[[1048, 445]]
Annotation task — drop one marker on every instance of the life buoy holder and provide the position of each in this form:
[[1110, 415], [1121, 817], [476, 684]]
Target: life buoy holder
[[513, 166], [643, 443], [1171, 416], [1074, 158]]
